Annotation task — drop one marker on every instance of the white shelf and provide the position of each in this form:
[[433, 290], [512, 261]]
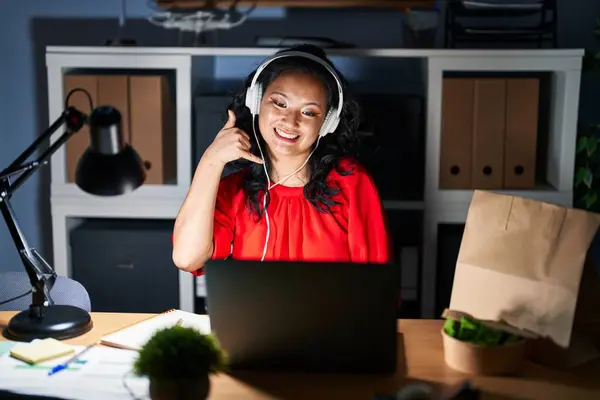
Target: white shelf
[[145, 193], [438, 206], [451, 206], [104, 208], [352, 52]]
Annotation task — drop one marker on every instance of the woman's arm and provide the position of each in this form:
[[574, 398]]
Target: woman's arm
[[193, 233], [193, 230]]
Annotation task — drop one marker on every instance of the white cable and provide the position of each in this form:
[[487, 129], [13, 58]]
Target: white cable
[[269, 187]]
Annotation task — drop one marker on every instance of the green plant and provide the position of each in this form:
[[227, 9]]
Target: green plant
[[477, 332], [180, 353], [587, 179], [587, 158]]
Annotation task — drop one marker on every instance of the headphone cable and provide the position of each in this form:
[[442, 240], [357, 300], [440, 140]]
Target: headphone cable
[[281, 181]]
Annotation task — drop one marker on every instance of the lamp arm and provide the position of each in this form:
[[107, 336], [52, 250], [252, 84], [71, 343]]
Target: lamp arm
[[41, 274], [73, 119]]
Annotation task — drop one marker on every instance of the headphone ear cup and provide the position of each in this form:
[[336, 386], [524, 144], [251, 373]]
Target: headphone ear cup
[[257, 97], [250, 95], [329, 124], [335, 121], [253, 96]]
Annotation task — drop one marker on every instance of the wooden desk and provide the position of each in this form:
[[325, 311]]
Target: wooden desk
[[420, 360]]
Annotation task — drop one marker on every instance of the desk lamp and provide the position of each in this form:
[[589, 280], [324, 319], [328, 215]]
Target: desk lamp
[[108, 167]]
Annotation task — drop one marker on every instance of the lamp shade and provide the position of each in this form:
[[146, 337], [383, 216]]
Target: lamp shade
[[109, 166]]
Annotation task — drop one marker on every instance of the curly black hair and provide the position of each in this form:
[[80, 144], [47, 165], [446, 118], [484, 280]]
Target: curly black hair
[[342, 143]]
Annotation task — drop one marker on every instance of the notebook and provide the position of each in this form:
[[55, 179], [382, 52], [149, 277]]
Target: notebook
[[40, 350], [135, 336]]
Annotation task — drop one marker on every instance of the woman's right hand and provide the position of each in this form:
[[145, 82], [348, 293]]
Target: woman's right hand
[[230, 144]]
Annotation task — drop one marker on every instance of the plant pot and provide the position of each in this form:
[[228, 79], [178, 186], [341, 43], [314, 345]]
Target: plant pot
[[180, 388], [483, 360]]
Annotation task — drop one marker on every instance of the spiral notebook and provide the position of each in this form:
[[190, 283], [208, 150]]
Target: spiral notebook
[[135, 336]]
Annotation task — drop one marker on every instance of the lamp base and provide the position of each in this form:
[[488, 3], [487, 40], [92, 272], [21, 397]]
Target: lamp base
[[58, 321]]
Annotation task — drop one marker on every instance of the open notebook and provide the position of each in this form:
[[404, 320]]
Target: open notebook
[[135, 336]]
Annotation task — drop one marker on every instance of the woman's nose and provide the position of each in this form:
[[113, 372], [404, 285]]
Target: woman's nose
[[292, 117]]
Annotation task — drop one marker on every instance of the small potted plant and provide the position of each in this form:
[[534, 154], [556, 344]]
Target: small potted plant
[[482, 347], [178, 362]]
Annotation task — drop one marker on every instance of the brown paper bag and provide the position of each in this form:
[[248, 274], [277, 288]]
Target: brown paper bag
[[521, 261]]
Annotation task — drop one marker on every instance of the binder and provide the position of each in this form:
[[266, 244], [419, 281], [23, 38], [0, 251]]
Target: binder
[[522, 104], [488, 133], [154, 127], [456, 133]]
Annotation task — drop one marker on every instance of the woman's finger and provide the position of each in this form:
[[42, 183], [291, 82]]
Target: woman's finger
[[242, 133], [251, 157], [245, 143]]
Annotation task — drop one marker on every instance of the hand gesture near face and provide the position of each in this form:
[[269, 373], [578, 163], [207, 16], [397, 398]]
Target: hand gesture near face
[[231, 144]]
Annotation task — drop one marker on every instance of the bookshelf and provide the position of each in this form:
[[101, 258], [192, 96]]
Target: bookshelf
[[162, 201]]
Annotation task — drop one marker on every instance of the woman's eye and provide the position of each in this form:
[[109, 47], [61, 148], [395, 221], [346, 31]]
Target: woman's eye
[[279, 104], [310, 113]]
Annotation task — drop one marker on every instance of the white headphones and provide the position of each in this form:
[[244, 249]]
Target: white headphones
[[254, 96], [255, 92]]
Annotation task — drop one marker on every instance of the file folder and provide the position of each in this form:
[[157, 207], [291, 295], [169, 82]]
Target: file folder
[[522, 104], [488, 133], [456, 133]]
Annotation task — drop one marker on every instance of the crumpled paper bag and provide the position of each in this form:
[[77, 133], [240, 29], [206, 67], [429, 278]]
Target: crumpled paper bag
[[521, 261]]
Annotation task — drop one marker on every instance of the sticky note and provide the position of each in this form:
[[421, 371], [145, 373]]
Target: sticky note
[[40, 350]]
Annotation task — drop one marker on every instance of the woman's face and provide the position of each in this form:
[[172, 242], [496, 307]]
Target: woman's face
[[292, 111]]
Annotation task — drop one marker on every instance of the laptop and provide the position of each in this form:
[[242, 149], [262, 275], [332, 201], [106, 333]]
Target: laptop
[[308, 317]]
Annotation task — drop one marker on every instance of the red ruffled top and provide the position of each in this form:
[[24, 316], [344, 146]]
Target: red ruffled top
[[356, 230]]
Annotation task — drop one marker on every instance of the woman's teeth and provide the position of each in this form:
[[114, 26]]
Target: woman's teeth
[[286, 135]]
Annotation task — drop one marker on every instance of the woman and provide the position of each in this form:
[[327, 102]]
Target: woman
[[301, 195]]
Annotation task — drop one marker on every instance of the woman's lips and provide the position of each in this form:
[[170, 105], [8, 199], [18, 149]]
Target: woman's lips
[[285, 136]]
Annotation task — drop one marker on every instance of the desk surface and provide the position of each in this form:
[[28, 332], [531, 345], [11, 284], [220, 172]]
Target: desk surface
[[421, 360]]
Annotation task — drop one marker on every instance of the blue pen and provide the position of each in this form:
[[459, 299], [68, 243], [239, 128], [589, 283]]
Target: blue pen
[[65, 365]]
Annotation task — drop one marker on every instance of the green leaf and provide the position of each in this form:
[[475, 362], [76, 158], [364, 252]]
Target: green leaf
[[451, 327], [588, 178], [468, 329], [592, 145], [582, 144], [584, 175], [591, 198]]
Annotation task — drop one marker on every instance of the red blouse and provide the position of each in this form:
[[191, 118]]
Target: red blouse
[[356, 230]]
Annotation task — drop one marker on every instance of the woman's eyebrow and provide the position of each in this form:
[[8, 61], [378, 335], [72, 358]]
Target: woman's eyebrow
[[312, 103], [279, 93]]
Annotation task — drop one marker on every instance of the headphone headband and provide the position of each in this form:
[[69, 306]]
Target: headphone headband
[[254, 92]]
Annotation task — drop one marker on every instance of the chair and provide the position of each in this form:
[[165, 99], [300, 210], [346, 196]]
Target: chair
[[15, 292]]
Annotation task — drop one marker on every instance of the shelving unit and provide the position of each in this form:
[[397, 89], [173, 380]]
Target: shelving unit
[[439, 206]]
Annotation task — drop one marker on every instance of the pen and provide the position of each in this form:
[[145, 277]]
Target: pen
[[65, 365]]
